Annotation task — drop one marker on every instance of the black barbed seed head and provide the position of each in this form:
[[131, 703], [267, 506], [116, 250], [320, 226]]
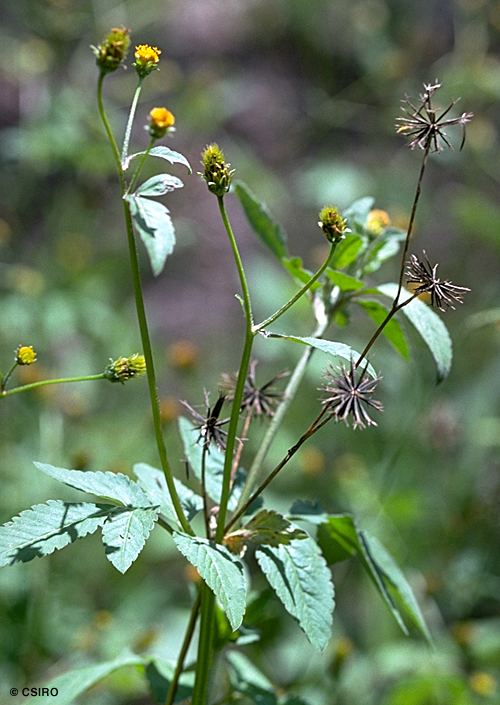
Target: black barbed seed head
[[349, 392], [260, 401], [210, 425], [444, 294], [424, 124]]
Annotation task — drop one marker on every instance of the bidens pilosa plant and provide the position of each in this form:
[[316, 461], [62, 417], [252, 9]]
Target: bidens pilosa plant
[[218, 518]]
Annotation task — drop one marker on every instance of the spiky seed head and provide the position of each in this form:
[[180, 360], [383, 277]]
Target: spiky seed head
[[349, 395], [444, 294]]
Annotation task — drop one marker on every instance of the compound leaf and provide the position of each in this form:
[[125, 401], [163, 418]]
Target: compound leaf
[[154, 225], [159, 185], [153, 482], [269, 232]]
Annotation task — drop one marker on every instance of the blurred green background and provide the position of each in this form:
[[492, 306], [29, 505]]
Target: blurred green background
[[302, 96]]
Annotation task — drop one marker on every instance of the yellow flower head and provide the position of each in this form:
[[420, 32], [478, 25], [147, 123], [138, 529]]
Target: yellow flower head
[[160, 120], [124, 368], [147, 59], [483, 683], [113, 49], [333, 225], [216, 171], [25, 355], [378, 220]]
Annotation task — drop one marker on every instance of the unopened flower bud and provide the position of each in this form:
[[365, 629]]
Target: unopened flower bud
[[216, 171], [124, 368], [147, 59], [113, 49], [160, 121], [333, 225], [25, 355]]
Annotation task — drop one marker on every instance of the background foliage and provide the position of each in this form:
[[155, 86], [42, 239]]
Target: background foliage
[[303, 97]]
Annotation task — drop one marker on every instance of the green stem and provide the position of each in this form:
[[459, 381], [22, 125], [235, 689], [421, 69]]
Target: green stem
[[47, 382], [299, 294], [242, 375], [130, 122], [140, 166], [186, 643], [205, 651], [4, 380], [143, 324]]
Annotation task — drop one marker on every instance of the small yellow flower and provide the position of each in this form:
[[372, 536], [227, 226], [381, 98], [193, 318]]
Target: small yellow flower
[[378, 220], [482, 683], [113, 49], [216, 171], [25, 355], [124, 368], [160, 120], [147, 59], [333, 225]]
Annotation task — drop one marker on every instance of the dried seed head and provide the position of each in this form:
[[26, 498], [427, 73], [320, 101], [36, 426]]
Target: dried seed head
[[161, 120], [259, 401], [147, 59], [424, 124], [210, 425], [25, 355], [113, 49], [444, 294], [216, 171], [125, 368], [349, 393], [333, 225]]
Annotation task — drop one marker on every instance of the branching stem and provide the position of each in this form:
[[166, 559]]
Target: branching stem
[[47, 382]]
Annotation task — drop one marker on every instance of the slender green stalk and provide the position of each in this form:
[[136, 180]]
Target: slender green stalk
[[143, 324], [140, 166], [47, 382], [299, 294], [205, 650], [4, 380], [242, 374], [204, 489], [130, 122], [186, 643]]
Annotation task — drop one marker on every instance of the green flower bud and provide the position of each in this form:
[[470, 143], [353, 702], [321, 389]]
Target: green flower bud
[[333, 225], [216, 172], [124, 368], [113, 49]]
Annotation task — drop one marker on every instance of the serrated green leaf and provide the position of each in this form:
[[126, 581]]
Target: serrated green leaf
[[357, 212], [72, 684], [154, 225], [430, 327], [159, 185], [45, 528], [392, 331], [125, 534], [153, 482], [340, 538], [163, 153], [299, 575], [270, 233], [307, 510], [382, 248], [336, 350], [347, 251], [344, 281], [109, 485], [214, 464], [222, 572], [267, 528]]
